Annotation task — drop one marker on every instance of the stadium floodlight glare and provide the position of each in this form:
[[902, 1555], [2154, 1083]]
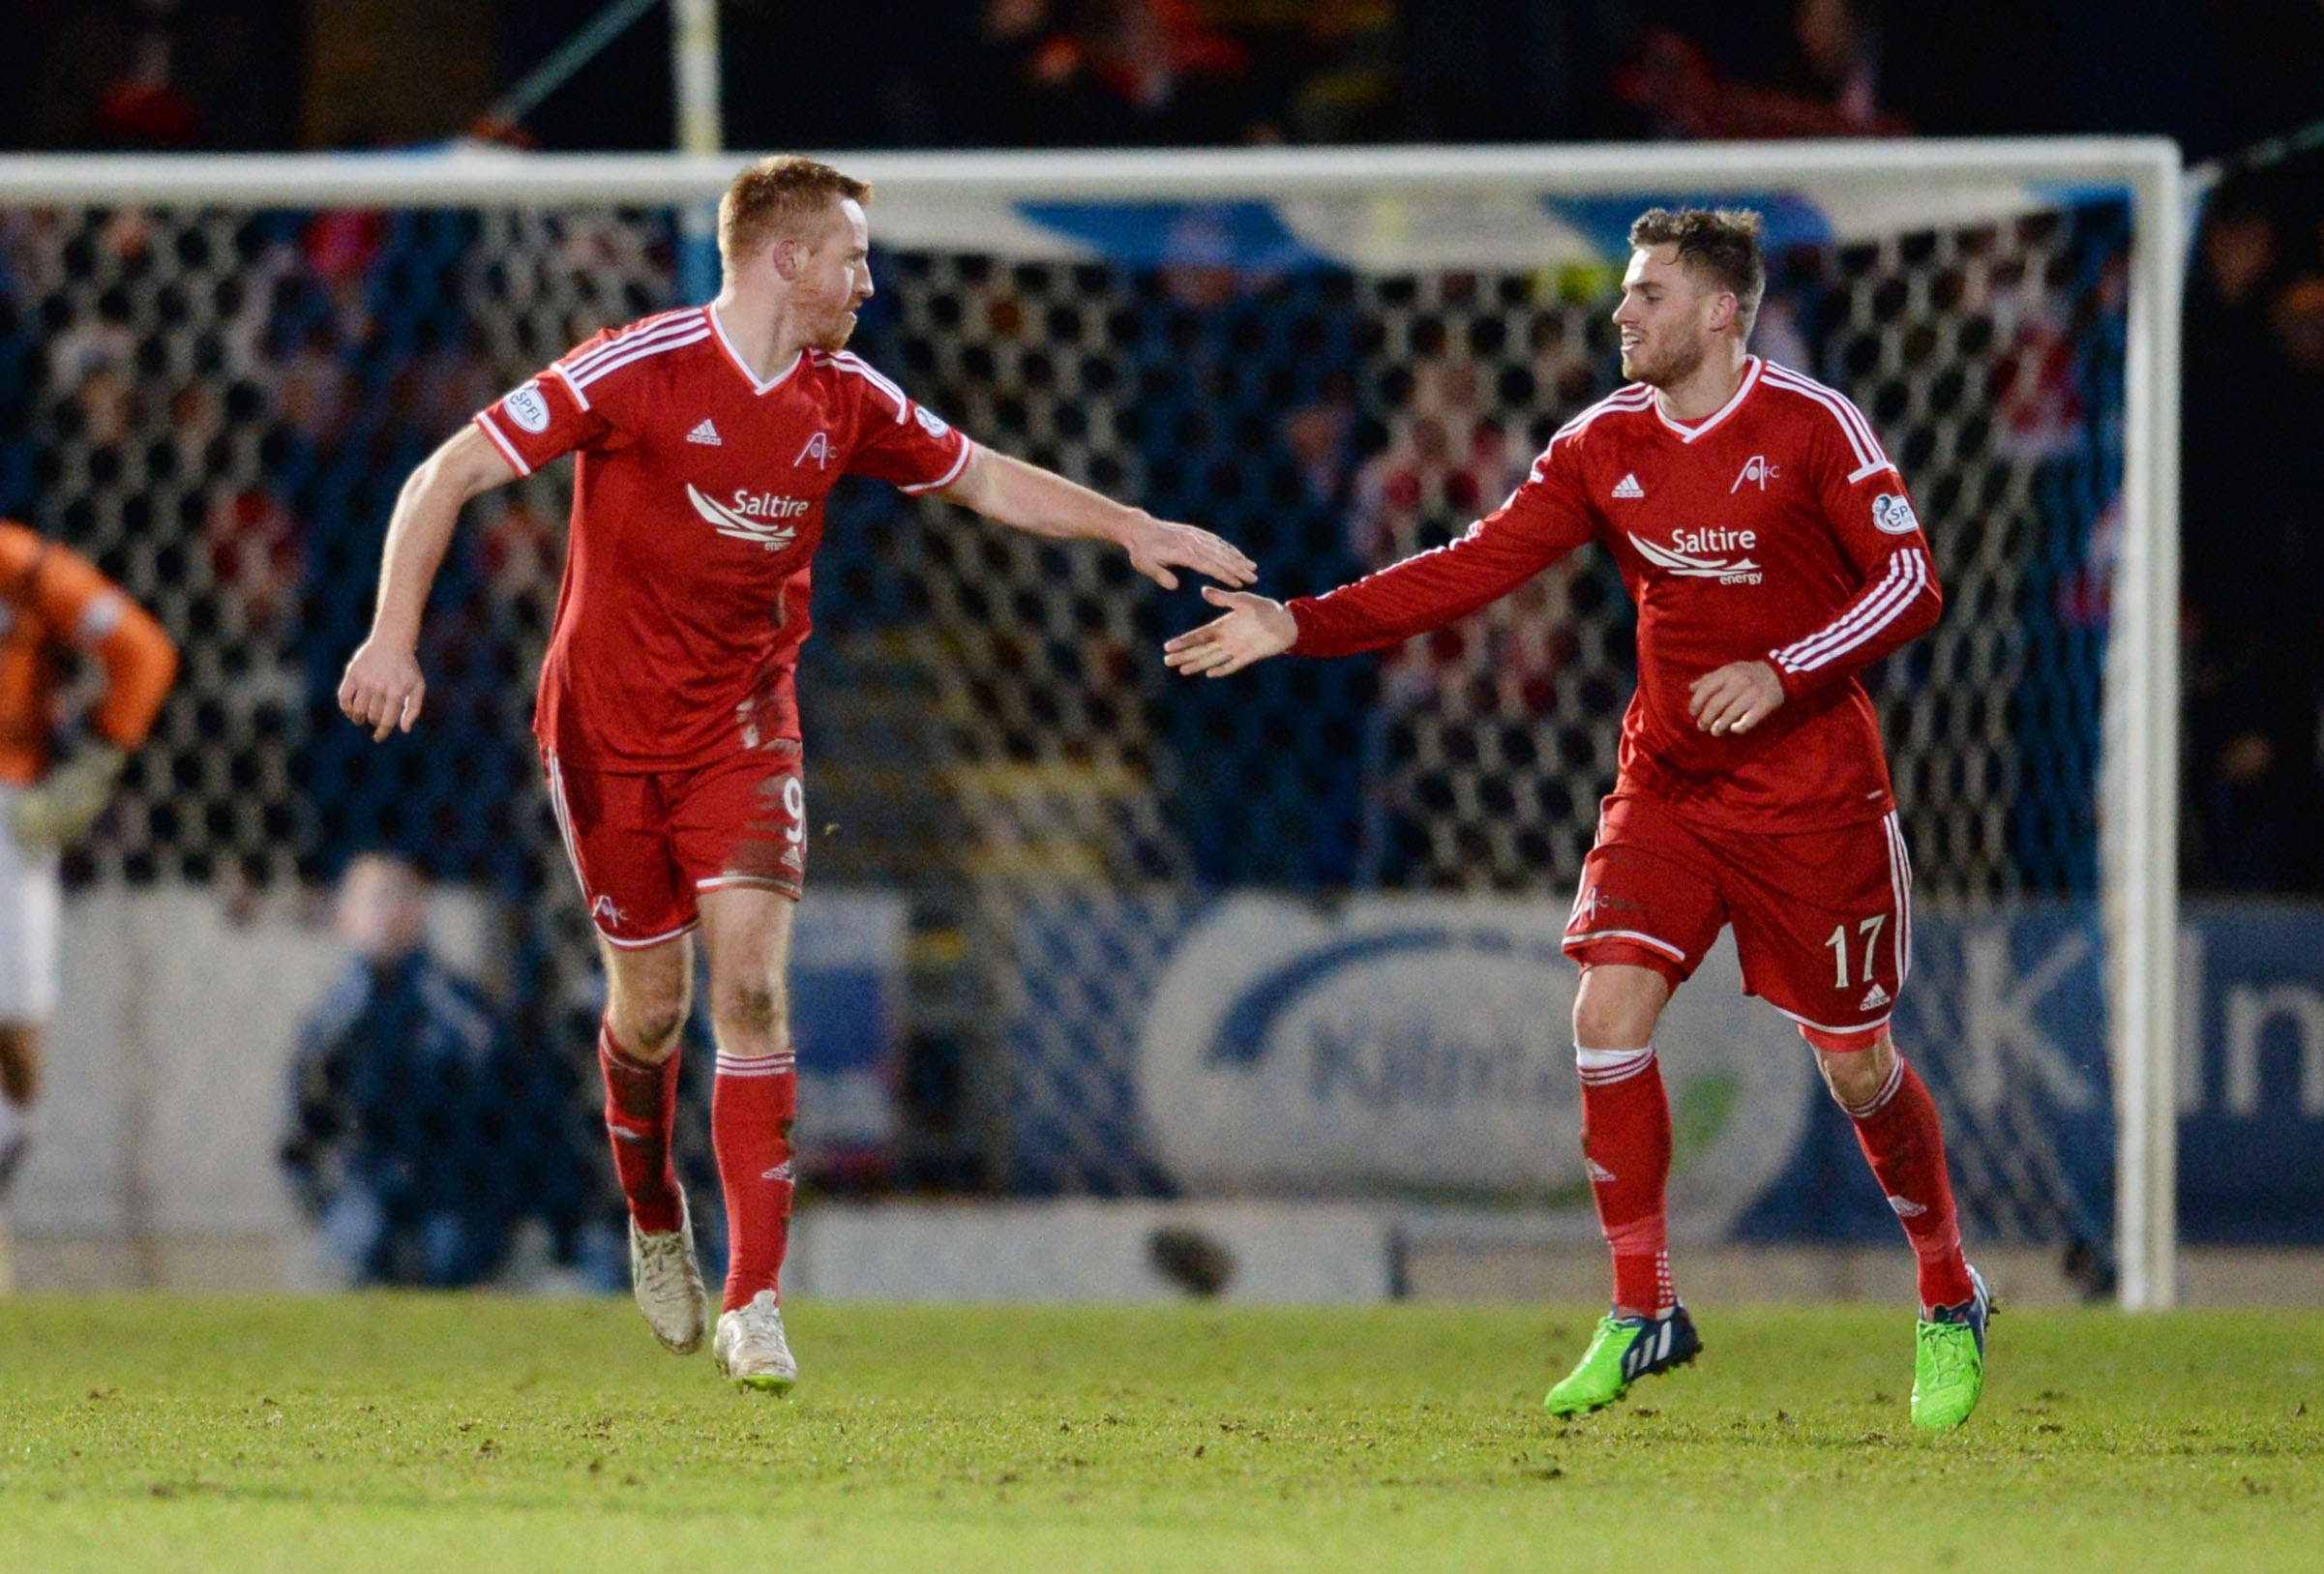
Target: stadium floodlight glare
[[1407, 209]]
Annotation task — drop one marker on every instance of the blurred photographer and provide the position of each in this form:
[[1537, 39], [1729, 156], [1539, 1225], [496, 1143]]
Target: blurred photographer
[[418, 1133]]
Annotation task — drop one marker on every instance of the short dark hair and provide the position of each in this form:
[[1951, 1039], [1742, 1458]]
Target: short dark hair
[[780, 195], [1720, 243]]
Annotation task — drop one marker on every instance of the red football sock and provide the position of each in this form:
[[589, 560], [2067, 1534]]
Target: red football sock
[[641, 1103], [1625, 1141], [752, 1104], [1898, 1132]]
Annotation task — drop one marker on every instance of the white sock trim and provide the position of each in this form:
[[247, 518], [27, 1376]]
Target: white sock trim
[[1880, 1100], [1599, 1067], [756, 1065]]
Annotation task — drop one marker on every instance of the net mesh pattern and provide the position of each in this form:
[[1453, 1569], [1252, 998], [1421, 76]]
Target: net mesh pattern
[[219, 406]]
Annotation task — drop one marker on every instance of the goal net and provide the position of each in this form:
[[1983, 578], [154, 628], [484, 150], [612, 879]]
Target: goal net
[[214, 375]]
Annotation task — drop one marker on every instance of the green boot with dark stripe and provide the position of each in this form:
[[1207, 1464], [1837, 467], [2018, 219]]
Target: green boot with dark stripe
[[1623, 1349]]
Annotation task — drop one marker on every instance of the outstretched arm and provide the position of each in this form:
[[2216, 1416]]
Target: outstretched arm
[[1040, 502], [1253, 629], [1543, 519], [1427, 590], [383, 688]]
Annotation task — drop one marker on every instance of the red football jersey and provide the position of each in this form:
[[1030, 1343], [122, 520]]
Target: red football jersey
[[697, 503], [1776, 530]]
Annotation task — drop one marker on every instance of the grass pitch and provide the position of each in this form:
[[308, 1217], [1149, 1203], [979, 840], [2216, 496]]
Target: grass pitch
[[413, 1434]]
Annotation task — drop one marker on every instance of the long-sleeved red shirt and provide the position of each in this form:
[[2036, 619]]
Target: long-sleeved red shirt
[[1774, 530]]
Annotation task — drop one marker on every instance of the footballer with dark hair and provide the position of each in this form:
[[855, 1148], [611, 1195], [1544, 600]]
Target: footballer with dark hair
[[1773, 554]]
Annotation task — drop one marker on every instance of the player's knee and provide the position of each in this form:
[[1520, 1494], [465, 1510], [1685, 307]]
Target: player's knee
[[650, 1031], [648, 1001], [1855, 1075], [1608, 1016], [1602, 1025], [755, 1009], [647, 1023]]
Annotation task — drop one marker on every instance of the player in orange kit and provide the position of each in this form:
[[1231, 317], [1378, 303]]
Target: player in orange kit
[[52, 600], [1773, 554]]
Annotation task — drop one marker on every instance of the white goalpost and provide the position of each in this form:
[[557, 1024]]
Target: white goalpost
[[1396, 211]]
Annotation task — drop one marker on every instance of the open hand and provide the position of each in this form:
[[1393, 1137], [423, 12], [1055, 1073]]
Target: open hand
[[382, 688], [1158, 546], [1735, 698], [1253, 629]]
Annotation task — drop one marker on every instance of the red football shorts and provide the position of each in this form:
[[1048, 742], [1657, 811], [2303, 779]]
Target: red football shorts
[[1822, 920], [645, 846]]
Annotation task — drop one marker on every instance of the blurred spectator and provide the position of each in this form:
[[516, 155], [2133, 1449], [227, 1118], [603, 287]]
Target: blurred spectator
[[254, 558], [2036, 379], [93, 364], [442, 385], [1103, 73], [1326, 71], [1445, 466], [1318, 437], [418, 1135], [314, 388], [167, 74], [1823, 83], [2254, 542]]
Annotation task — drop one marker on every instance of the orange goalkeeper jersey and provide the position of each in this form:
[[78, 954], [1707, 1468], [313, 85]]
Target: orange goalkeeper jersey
[[51, 596]]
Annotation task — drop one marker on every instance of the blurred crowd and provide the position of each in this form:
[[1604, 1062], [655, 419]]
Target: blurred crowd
[[178, 73], [286, 528], [2253, 533]]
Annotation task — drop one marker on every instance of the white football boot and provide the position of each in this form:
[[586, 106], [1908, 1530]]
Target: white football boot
[[750, 1348], [668, 1283]]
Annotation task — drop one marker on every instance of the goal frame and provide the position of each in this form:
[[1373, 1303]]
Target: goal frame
[[2138, 797]]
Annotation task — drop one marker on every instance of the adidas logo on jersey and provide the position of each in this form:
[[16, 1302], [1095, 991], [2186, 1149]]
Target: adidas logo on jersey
[[705, 433], [1598, 1173], [1905, 1206], [1875, 999], [1628, 487]]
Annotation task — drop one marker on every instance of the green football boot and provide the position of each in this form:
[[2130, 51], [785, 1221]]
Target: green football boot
[[1948, 1367], [1623, 1349]]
